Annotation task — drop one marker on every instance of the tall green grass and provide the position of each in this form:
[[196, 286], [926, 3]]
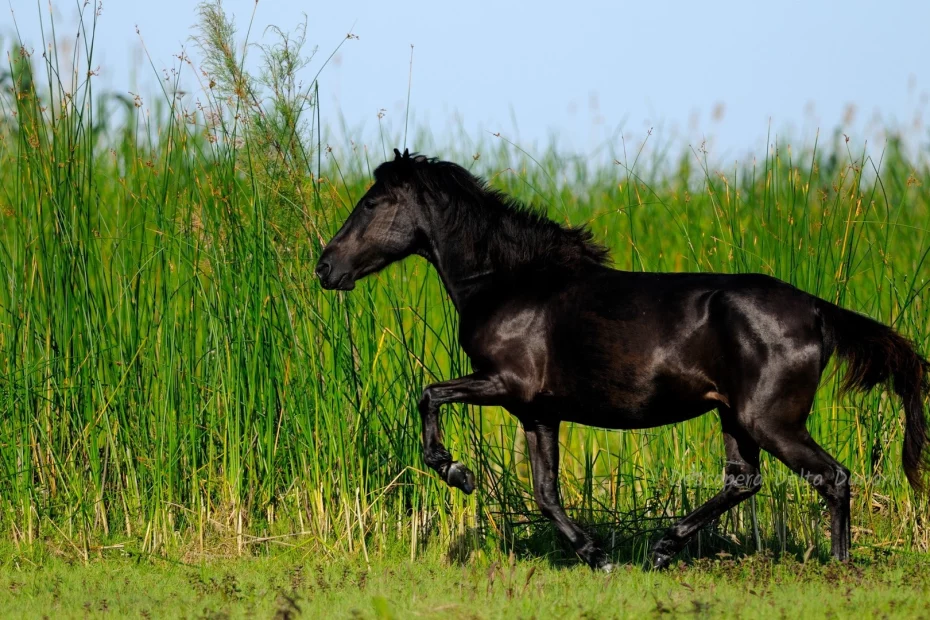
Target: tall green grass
[[174, 380]]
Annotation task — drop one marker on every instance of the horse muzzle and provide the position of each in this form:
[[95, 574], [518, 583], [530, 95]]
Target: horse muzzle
[[333, 279]]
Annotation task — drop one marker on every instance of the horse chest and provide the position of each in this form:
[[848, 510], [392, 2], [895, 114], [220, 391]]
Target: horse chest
[[511, 344]]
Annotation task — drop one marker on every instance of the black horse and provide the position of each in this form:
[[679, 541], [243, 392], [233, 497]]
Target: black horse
[[555, 334]]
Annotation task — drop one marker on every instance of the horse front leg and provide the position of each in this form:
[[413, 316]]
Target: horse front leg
[[474, 389], [543, 443]]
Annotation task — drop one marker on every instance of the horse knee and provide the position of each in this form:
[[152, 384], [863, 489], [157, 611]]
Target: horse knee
[[547, 510], [548, 507], [426, 401]]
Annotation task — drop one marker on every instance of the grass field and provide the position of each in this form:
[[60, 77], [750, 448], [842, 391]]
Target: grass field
[[175, 384], [296, 586]]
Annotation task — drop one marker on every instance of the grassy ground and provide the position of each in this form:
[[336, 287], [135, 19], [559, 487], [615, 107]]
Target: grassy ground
[[314, 587], [173, 380]]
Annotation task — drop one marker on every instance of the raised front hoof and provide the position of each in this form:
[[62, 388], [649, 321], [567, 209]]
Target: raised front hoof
[[460, 477], [662, 554]]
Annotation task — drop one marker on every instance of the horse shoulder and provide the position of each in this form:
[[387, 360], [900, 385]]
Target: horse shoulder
[[511, 340]]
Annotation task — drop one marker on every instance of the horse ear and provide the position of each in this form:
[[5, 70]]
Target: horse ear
[[397, 154], [406, 154]]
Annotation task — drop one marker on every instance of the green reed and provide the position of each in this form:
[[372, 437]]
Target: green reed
[[172, 377]]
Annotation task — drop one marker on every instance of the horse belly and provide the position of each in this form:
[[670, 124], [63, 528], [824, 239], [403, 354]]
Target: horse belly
[[650, 400], [656, 368], [625, 417]]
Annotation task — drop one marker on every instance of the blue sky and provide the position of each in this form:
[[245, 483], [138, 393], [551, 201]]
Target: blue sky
[[580, 71]]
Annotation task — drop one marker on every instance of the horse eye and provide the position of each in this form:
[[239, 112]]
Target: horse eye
[[370, 204]]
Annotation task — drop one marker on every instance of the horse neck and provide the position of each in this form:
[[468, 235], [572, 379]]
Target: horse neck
[[466, 270], [482, 260]]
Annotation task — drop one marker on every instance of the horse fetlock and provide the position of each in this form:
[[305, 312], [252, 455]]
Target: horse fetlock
[[439, 459], [460, 477], [594, 556], [663, 552]]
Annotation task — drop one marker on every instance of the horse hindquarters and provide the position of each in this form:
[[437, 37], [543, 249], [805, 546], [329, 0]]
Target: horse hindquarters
[[776, 356]]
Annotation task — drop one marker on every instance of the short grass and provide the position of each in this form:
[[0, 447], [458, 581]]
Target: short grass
[[391, 587]]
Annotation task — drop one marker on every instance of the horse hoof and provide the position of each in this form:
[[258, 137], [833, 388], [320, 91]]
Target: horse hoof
[[662, 554], [460, 477], [607, 567], [661, 562]]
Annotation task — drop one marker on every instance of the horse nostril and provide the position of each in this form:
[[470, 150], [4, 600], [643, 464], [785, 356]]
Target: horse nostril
[[323, 269]]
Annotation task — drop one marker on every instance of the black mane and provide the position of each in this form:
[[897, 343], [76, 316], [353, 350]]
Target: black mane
[[517, 236]]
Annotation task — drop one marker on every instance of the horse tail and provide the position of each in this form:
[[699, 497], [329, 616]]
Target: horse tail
[[875, 353]]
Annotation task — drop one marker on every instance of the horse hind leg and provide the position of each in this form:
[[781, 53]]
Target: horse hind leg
[[792, 445], [742, 480], [777, 424]]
